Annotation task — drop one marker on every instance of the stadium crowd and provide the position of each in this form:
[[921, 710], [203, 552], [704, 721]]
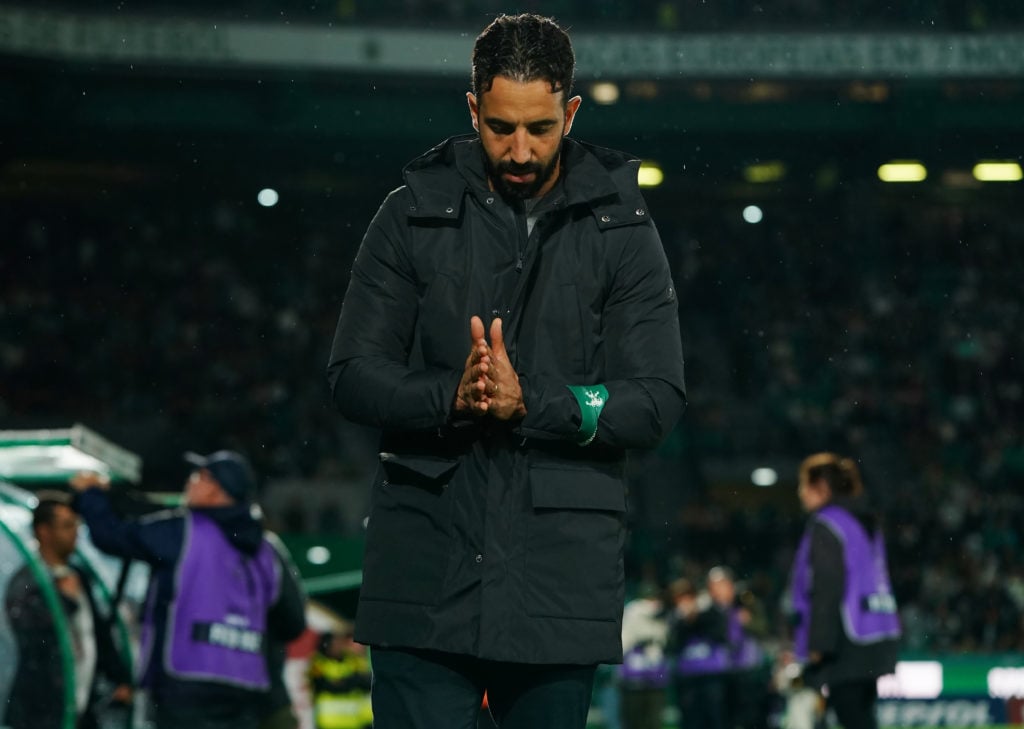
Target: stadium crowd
[[890, 335], [888, 330]]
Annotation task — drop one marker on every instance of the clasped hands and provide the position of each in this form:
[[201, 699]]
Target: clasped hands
[[489, 384]]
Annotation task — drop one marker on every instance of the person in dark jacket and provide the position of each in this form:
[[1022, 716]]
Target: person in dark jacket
[[218, 592], [512, 328], [847, 627], [698, 646], [37, 697]]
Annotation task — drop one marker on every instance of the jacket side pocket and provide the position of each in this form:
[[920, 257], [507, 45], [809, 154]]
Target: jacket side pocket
[[576, 536], [408, 533]]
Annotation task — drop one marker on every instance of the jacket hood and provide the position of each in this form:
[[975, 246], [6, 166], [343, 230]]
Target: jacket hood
[[859, 508], [602, 179], [238, 525]]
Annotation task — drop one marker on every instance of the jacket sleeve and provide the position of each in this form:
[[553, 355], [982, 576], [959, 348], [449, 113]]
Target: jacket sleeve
[[155, 541], [827, 588], [368, 372], [287, 617], [643, 358]]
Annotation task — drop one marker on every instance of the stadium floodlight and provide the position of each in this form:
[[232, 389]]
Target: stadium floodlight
[[902, 170], [997, 171], [604, 92], [753, 214], [762, 172], [318, 554], [764, 477], [267, 197], [649, 175]]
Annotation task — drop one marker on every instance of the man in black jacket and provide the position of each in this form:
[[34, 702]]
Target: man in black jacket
[[219, 592], [512, 328], [37, 697]]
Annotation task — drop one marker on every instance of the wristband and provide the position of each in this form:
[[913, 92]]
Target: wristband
[[591, 400]]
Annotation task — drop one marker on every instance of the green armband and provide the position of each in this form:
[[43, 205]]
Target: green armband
[[591, 400]]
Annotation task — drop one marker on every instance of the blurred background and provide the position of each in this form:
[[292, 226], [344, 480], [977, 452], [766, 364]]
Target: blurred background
[[183, 186]]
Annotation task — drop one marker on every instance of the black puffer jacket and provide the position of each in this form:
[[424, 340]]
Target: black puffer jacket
[[485, 538]]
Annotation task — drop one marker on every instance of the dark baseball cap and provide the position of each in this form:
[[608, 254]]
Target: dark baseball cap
[[231, 470]]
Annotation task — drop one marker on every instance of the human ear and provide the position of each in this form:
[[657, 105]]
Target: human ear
[[571, 107], [474, 109]]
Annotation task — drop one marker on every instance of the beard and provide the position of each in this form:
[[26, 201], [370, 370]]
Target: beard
[[542, 173]]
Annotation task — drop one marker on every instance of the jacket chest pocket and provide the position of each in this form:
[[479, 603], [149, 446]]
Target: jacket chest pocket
[[575, 541], [442, 304], [408, 533], [554, 329]]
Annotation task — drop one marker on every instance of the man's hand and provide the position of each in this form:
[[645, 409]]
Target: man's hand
[[489, 384], [502, 394], [471, 398], [122, 695], [88, 479]]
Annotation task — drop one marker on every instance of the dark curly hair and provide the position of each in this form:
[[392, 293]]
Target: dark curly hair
[[523, 48], [46, 510]]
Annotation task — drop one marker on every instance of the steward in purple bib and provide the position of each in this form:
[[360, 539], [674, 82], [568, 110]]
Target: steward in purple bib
[[842, 600], [217, 625], [220, 597], [846, 626], [868, 608], [699, 644]]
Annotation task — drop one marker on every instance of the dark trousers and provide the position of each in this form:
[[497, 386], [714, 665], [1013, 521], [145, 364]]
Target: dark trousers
[[854, 703], [702, 701], [170, 716], [642, 707], [747, 699], [414, 689]]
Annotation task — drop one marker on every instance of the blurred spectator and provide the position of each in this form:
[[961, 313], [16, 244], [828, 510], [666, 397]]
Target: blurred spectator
[[339, 676], [698, 647], [644, 673], [746, 689], [36, 698]]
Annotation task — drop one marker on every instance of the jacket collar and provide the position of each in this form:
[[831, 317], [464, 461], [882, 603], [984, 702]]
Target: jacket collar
[[601, 179]]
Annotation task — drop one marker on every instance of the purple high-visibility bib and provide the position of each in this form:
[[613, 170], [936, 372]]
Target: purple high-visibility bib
[[217, 621], [644, 666], [701, 657], [869, 611], [746, 651]]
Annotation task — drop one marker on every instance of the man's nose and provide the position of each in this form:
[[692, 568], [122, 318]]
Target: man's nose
[[520, 147]]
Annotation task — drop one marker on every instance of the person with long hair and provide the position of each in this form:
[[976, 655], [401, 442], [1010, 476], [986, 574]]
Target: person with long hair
[[847, 626]]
